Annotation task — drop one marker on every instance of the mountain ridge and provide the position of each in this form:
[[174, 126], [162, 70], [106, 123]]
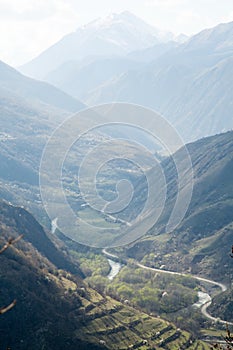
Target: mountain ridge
[[193, 245], [30, 89], [190, 88], [117, 35]]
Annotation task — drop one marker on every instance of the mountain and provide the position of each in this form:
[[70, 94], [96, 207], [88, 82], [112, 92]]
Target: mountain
[[222, 306], [29, 111], [27, 275], [81, 79], [57, 310], [117, 34], [25, 126], [36, 92], [151, 53], [189, 84], [201, 244], [217, 39], [17, 219]]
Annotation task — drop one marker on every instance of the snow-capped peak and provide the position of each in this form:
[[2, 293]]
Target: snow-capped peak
[[125, 22]]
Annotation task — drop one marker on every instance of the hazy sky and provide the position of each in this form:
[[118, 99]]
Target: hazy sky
[[27, 27]]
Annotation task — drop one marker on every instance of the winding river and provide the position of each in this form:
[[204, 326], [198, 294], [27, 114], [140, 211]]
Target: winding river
[[115, 266], [205, 299]]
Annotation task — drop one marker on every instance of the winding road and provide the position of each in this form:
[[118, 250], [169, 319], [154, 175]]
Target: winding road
[[104, 251], [201, 279]]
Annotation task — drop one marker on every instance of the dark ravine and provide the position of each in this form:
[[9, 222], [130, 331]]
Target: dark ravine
[[21, 220]]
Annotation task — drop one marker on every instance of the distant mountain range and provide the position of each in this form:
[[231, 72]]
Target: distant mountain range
[[121, 58], [117, 34], [191, 85]]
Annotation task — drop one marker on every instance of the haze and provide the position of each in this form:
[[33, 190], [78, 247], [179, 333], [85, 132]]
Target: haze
[[31, 26]]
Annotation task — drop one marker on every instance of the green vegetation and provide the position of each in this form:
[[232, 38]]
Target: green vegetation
[[169, 296], [58, 310], [91, 263], [45, 273], [96, 219], [154, 292]]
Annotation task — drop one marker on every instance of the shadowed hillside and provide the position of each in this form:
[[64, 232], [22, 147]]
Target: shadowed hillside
[[56, 310]]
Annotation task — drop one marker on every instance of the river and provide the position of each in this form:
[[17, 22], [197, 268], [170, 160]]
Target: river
[[203, 298], [54, 225], [115, 269], [115, 266]]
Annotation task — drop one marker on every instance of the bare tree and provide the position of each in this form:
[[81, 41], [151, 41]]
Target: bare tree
[[10, 242]]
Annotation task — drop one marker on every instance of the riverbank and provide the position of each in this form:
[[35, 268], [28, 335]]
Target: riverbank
[[204, 300]]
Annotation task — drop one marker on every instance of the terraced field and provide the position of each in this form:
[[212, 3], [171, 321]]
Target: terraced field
[[114, 325]]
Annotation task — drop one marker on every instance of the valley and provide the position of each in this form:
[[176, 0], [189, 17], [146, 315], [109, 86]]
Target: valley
[[116, 190]]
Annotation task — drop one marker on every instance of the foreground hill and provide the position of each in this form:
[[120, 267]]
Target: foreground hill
[[56, 310], [19, 220]]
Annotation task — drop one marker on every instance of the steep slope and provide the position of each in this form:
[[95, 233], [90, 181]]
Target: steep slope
[[25, 127], [40, 316], [56, 310], [202, 242], [29, 112], [217, 39], [118, 34], [36, 91], [196, 104], [19, 220], [222, 306]]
